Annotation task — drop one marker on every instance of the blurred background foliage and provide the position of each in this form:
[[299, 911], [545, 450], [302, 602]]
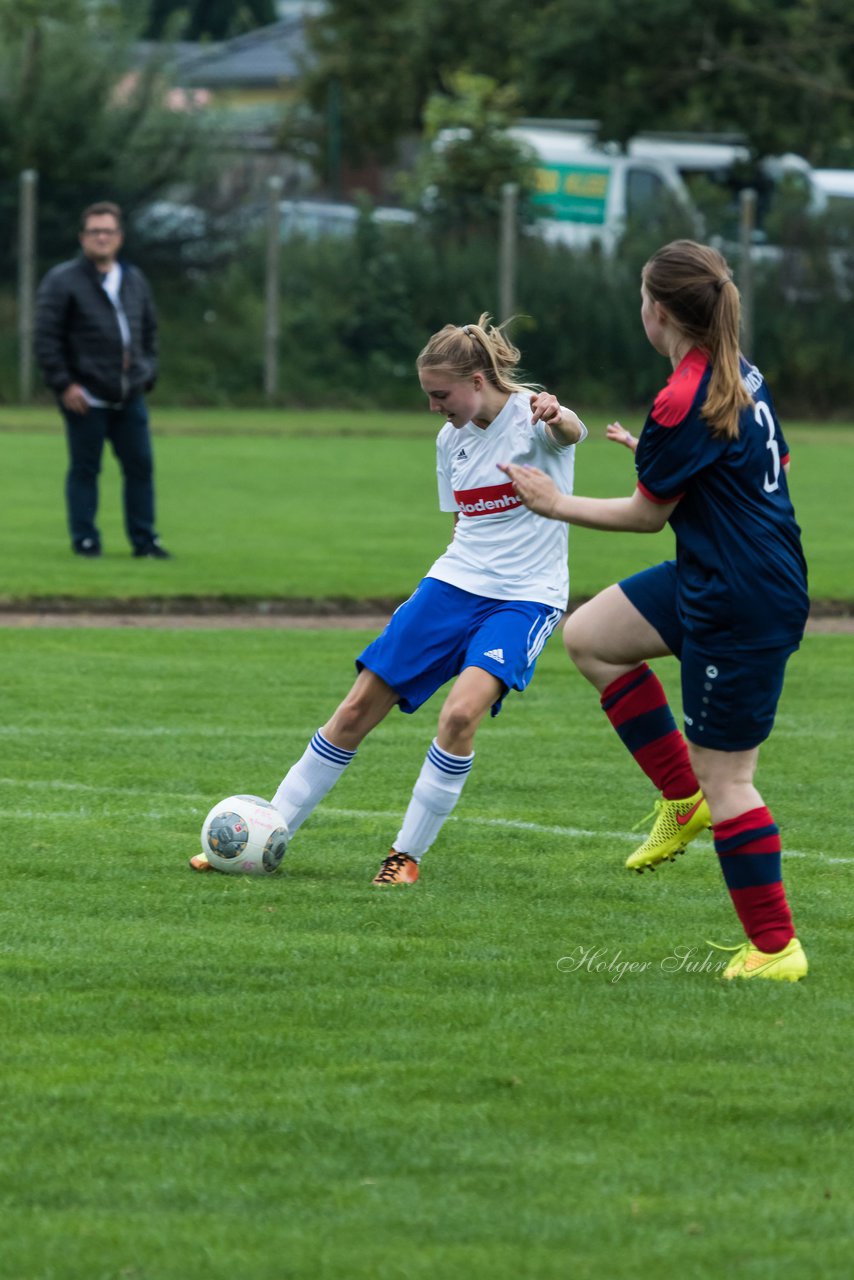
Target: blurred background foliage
[[87, 100]]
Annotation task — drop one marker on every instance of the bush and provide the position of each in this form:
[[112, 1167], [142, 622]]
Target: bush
[[355, 311]]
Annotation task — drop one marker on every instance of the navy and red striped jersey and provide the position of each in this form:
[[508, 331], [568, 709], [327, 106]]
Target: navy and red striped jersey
[[742, 573]]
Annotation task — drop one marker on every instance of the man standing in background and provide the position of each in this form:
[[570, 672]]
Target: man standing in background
[[96, 345]]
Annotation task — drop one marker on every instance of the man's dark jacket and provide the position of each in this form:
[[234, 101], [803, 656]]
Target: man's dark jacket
[[78, 339]]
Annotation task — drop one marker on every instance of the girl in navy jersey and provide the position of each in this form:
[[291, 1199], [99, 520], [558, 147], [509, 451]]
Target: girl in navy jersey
[[486, 607], [711, 460]]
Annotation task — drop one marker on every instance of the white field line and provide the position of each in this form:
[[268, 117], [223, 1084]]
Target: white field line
[[500, 824], [280, 733], [153, 731]]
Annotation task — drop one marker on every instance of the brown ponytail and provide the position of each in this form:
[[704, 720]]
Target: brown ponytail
[[694, 284]]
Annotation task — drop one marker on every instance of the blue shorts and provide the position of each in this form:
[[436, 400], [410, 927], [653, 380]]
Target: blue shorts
[[441, 629], [729, 697], [653, 593]]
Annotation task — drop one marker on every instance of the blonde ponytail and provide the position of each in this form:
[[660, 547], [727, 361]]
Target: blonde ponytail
[[475, 348]]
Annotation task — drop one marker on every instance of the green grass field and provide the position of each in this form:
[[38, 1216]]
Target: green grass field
[[524, 1068], [305, 1077], [325, 506]]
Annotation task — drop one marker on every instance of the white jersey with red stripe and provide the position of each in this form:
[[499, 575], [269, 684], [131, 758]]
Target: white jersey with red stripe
[[500, 549]]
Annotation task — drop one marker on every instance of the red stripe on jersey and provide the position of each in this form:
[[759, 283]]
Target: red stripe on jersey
[[674, 401], [660, 502], [487, 501], [784, 461]]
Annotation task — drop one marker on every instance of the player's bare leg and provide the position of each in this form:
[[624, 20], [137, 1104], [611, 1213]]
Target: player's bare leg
[[368, 702], [332, 748], [727, 780], [607, 637], [471, 696]]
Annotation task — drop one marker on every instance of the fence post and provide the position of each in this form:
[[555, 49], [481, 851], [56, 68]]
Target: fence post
[[28, 183], [747, 226], [333, 137], [271, 288], [507, 251]]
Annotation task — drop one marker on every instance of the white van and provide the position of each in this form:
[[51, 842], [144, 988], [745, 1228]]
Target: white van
[[837, 186], [587, 194], [727, 165]]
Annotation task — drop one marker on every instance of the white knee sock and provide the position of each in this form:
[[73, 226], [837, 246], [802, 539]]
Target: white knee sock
[[439, 787], [309, 780]]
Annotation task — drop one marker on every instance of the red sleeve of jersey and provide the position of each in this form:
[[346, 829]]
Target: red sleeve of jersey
[[659, 502], [673, 403]]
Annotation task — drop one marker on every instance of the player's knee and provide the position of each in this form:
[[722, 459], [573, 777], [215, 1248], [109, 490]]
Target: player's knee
[[578, 639], [353, 717], [723, 776], [459, 719], [368, 702]]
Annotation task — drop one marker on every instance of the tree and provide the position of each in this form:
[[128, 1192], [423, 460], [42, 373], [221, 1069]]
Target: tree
[[779, 71], [74, 108], [379, 65], [467, 155]]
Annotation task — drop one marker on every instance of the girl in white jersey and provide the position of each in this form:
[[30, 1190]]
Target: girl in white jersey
[[486, 607]]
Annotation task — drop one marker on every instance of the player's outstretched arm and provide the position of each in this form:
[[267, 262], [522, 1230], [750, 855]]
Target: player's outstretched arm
[[541, 495], [537, 490]]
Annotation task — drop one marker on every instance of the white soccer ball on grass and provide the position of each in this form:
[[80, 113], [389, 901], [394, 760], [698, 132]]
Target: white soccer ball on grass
[[244, 835]]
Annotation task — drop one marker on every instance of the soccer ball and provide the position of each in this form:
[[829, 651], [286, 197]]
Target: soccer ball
[[244, 835]]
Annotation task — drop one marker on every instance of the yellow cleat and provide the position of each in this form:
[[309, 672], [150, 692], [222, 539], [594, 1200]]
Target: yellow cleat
[[788, 965], [677, 823], [397, 868], [199, 862]]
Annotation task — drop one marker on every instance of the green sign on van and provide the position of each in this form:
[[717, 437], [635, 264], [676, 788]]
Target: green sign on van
[[572, 193]]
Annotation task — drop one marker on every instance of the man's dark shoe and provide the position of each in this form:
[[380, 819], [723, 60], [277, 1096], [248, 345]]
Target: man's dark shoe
[[86, 547], [154, 549]]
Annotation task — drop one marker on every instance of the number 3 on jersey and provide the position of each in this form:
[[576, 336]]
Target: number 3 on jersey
[[765, 418]]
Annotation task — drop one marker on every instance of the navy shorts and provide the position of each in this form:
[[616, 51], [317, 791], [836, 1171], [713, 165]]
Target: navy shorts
[[440, 630], [729, 697]]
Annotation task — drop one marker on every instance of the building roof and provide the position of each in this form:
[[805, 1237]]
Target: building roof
[[259, 59]]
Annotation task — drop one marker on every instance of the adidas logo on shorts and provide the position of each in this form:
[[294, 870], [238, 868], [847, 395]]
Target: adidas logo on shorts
[[497, 655]]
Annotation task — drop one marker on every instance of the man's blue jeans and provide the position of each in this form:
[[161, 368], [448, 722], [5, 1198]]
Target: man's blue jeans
[[126, 428]]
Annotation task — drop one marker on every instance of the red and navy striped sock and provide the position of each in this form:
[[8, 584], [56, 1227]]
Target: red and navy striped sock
[[749, 850], [636, 705]]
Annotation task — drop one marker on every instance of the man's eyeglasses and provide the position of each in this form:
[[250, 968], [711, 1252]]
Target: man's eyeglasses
[[101, 231]]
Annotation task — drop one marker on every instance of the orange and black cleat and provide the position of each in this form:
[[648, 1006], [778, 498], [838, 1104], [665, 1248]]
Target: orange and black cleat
[[397, 868]]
